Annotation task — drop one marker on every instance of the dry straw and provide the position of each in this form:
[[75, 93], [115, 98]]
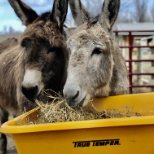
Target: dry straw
[[59, 111]]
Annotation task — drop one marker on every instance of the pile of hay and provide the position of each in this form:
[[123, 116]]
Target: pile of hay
[[59, 111]]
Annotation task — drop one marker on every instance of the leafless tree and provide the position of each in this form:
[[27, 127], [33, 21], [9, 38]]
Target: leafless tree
[[125, 14], [95, 6], [141, 8], [152, 12], [136, 11], [130, 10]]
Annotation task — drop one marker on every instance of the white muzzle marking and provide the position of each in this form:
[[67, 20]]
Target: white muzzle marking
[[33, 78]]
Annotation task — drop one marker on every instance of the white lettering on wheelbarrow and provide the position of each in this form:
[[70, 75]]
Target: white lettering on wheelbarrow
[[79, 144]]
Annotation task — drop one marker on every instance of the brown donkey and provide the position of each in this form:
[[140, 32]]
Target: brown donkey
[[36, 63], [96, 67]]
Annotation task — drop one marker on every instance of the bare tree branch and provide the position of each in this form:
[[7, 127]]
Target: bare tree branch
[[152, 12], [141, 10], [130, 10]]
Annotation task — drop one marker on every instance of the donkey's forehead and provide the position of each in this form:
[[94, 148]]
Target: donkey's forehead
[[44, 30], [98, 31], [85, 31], [85, 35], [45, 27]]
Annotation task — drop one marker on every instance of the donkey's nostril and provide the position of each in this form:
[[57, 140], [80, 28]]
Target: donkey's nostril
[[71, 97], [75, 96], [30, 93]]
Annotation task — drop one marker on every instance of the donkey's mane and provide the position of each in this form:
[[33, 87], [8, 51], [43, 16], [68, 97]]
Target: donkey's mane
[[93, 20], [44, 16]]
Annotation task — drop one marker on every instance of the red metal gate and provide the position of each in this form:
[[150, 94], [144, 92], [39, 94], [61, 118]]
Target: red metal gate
[[130, 61]]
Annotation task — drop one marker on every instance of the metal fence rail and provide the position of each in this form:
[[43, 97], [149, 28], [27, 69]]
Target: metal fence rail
[[130, 61]]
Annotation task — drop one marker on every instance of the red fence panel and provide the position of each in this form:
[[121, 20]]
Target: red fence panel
[[130, 61]]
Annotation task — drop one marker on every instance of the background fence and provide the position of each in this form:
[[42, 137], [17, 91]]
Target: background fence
[[139, 42]]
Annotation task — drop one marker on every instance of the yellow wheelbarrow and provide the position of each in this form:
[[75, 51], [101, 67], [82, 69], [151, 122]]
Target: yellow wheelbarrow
[[130, 135]]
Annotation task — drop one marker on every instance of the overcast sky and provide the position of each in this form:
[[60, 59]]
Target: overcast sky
[[8, 17]]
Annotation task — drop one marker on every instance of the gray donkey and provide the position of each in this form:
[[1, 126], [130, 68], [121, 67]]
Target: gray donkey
[[36, 62], [96, 67]]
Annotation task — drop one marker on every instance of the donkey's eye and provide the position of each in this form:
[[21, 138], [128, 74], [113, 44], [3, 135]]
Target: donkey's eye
[[50, 50], [96, 51], [26, 42], [53, 49]]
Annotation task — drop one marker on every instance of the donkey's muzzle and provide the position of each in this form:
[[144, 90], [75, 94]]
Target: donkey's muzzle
[[71, 98], [30, 92]]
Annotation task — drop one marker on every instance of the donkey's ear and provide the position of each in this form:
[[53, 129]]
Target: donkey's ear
[[79, 12], [23, 11], [59, 12], [109, 14]]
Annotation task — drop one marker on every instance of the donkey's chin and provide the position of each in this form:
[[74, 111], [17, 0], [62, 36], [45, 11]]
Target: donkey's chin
[[86, 100], [82, 102]]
